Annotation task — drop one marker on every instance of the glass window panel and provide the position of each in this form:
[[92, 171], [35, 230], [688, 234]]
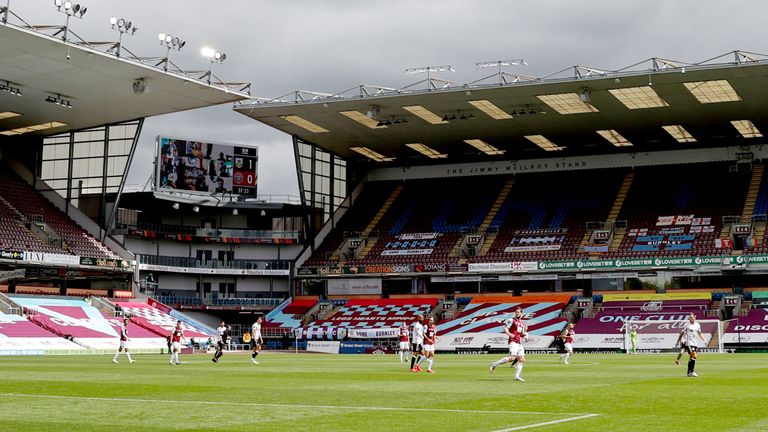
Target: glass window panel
[[90, 135], [305, 150], [48, 152], [323, 156], [122, 131], [114, 181], [96, 148], [81, 150], [46, 170], [96, 167], [116, 165], [325, 185], [307, 180], [120, 147], [60, 169], [61, 151], [113, 189], [338, 188]]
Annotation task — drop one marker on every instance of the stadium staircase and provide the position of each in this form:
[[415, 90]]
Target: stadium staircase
[[754, 188], [370, 240], [491, 236], [618, 203], [8, 306]]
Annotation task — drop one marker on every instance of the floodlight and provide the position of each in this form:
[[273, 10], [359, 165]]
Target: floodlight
[[121, 22], [208, 52], [175, 41], [175, 206], [234, 212], [196, 209], [58, 3], [67, 5], [161, 36], [168, 38], [112, 20]]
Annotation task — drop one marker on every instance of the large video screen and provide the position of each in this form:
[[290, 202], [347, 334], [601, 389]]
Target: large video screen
[[200, 166]]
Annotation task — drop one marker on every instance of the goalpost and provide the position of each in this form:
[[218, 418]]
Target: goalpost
[[661, 335]]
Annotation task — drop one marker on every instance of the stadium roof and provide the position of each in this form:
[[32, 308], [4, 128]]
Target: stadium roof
[[653, 105], [98, 85]]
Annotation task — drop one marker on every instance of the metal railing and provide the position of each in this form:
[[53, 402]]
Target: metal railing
[[188, 262], [215, 232]]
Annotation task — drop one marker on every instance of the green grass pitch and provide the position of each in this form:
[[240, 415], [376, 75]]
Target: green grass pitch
[[317, 392]]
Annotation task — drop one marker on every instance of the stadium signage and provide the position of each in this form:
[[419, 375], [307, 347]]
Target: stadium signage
[[195, 270], [11, 254], [354, 286], [373, 333], [502, 266], [51, 258], [104, 262]]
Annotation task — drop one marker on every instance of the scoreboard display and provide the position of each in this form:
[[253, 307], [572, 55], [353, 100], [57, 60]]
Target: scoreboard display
[[244, 173], [206, 167]]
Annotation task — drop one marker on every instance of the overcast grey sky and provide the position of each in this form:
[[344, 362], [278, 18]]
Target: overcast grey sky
[[329, 46]]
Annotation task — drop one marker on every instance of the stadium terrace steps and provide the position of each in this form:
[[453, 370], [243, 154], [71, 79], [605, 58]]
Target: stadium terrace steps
[[383, 210], [496, 206], [158, 321], [291, 314], [83, 324], [18, 334], [480, 322], [487, 243], [27, 201], [618, 238], [621, 196], [370, 313], [754, 189]]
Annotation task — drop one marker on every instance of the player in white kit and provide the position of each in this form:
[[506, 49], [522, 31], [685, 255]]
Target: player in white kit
[[690, 344], [256, 339]]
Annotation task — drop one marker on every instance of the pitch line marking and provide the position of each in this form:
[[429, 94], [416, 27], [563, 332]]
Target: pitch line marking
[[273, 405], [535, 425]]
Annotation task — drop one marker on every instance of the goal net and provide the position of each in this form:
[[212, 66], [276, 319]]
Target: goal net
[[660, 336]]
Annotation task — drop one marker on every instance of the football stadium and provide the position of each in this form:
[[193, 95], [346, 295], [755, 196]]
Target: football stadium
[[516, 252]]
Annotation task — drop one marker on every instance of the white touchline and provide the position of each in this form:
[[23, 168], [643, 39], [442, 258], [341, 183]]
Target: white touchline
[[535, 425], [273, 405]]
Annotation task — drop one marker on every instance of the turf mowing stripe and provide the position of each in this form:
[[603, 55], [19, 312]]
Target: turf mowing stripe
[[272, 405], [535, 425]]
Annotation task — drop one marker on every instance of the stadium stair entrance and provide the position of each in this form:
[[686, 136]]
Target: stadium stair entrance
[[618, 203], [370, 240], [490, 237]]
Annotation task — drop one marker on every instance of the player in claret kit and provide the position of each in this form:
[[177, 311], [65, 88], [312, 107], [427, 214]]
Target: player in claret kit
[[517, 332], [567, 335], [177, 336], [403, 347], [688, 334], [417, 343], [123, 342], [430, 338]]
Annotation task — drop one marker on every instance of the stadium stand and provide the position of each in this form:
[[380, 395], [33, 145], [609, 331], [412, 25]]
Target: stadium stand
[[82, 323], [480, 322], [666, 201], [29, 203], [288, 315], [369, 313], [535, 211], [665, 213], [604, 328], [19, 335], [159, 322]]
